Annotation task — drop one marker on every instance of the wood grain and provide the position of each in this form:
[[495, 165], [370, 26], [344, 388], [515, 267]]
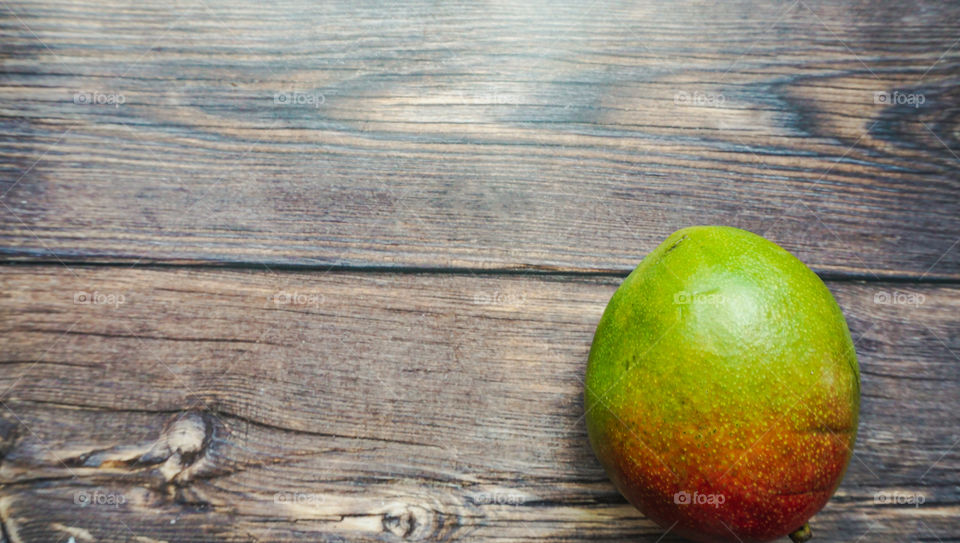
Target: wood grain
[[223, 405], [560, 135]]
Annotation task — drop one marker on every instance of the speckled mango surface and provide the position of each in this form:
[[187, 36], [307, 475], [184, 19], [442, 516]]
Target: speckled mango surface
[[722, 389]]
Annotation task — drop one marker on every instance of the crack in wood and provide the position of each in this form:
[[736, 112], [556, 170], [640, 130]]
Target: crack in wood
[[544, 271]]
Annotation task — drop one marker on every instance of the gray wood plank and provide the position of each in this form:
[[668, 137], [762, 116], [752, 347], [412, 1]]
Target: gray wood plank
[[568, 136], [224, 405]]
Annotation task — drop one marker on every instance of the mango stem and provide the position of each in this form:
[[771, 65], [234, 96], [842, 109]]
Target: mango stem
[[802, 534]]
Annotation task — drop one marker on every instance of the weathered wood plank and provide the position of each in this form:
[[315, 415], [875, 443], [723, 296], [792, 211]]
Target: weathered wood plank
[[256, 406], [566, 135]]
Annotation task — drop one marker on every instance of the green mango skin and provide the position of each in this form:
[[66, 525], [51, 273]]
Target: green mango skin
[[723, 368]]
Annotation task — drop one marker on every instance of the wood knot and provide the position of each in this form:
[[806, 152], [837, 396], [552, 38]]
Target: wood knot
[[9, 432], [412, 523], [183, 447]]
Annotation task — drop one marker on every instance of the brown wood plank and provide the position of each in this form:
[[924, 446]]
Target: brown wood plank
[[567, 135], [256, 406]]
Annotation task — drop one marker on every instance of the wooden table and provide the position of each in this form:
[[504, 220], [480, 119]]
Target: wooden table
[[330, 271]]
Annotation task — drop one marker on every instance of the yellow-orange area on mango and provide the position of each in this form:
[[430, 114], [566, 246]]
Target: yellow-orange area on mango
[[722, 389]]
